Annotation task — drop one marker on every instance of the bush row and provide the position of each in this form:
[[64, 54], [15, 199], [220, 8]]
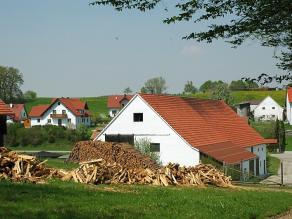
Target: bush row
[[17, 135]]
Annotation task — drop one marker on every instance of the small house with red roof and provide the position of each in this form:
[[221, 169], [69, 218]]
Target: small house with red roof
[[116, 102], [184, 130], [4, 113], [20, 114], [67, 112]]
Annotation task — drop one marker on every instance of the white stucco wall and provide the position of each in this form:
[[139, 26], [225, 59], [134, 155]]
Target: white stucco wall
[[265, 111], [75, 121], [261, 152], [172, 147], [288, 110]]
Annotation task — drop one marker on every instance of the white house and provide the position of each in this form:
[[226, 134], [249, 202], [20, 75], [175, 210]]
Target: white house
[[268, 109], [289, 105], [183, 130], [68, 112], [116, 102]]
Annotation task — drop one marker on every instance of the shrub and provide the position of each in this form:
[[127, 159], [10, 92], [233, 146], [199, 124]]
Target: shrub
[[143, 145]]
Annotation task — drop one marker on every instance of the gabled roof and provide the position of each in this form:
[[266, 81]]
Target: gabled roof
[[73, 104], [268, 97], [16, 109], [115, 100], [207, 125], [289, 93], [4, 110]]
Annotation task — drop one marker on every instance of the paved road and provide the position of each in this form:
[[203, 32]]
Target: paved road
[[286, 158]]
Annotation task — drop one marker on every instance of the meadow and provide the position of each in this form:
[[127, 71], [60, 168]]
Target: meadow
[[69, 200]]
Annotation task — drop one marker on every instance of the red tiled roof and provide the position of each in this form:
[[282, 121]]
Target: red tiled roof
[[115, 100], [38, 111], [16, 109], [206, 122], [289, 93], [73, 104], [4, 110]]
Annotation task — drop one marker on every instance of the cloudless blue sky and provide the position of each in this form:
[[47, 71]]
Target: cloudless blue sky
[[68, 48]]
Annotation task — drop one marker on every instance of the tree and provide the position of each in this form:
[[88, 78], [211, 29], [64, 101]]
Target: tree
[[243, 85], [10, 81], [190, 88], [209, 85], [128, 90], [280, 135], [268, 21], [238, 85], [222, 92], [154, 86], [30, 95]]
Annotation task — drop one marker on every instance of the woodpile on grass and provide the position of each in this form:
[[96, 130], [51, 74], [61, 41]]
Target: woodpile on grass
[[24, 168], [100, 172], [121, 153]]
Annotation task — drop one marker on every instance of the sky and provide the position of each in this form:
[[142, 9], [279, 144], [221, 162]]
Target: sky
[[68, 48]]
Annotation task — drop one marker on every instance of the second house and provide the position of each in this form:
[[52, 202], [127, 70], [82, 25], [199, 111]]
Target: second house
[[67, 112]]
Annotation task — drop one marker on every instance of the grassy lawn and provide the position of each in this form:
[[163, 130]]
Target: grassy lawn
[[58, 146], [69, 200], [273, 165], [61, 164]]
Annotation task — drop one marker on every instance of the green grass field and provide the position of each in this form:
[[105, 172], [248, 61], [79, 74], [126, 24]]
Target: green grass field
[[70, 200], [61, 164], [241, 96], [97, 105]]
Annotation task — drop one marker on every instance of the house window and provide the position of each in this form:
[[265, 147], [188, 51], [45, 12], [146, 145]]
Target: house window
[[263, 108], [69, 121], [251, 149], [154, 147], [262, 149], [273, 107], [59, 103], [114, 112], [273, 116], [49, 121], [258, 149], [63, 112], [39, 120], [54, 112], [138, 117]]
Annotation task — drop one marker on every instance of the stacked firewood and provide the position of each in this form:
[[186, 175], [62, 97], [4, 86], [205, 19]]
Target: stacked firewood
[[100, 172], [24, 168], [121, 153]]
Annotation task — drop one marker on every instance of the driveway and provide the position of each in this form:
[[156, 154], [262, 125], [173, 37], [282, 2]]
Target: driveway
[[286, 158]]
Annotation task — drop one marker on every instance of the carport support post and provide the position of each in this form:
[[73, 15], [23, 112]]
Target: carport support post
[[282, 177]]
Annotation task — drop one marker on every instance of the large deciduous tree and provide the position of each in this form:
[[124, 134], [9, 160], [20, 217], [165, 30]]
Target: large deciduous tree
[[154, 86], [268, 21], [10, 81]]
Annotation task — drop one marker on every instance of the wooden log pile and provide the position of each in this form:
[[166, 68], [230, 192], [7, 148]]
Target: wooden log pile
[[100, 172], [123, 154], [24, 168]]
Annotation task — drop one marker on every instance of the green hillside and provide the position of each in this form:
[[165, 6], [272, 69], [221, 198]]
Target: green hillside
[[240, 96], [98, 105]]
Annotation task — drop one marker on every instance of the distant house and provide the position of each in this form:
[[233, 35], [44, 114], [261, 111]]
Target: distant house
[[4, 112], [186, 130], [268, 109], [289, 105], [20, 114], [116, 102], [67, 112]]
